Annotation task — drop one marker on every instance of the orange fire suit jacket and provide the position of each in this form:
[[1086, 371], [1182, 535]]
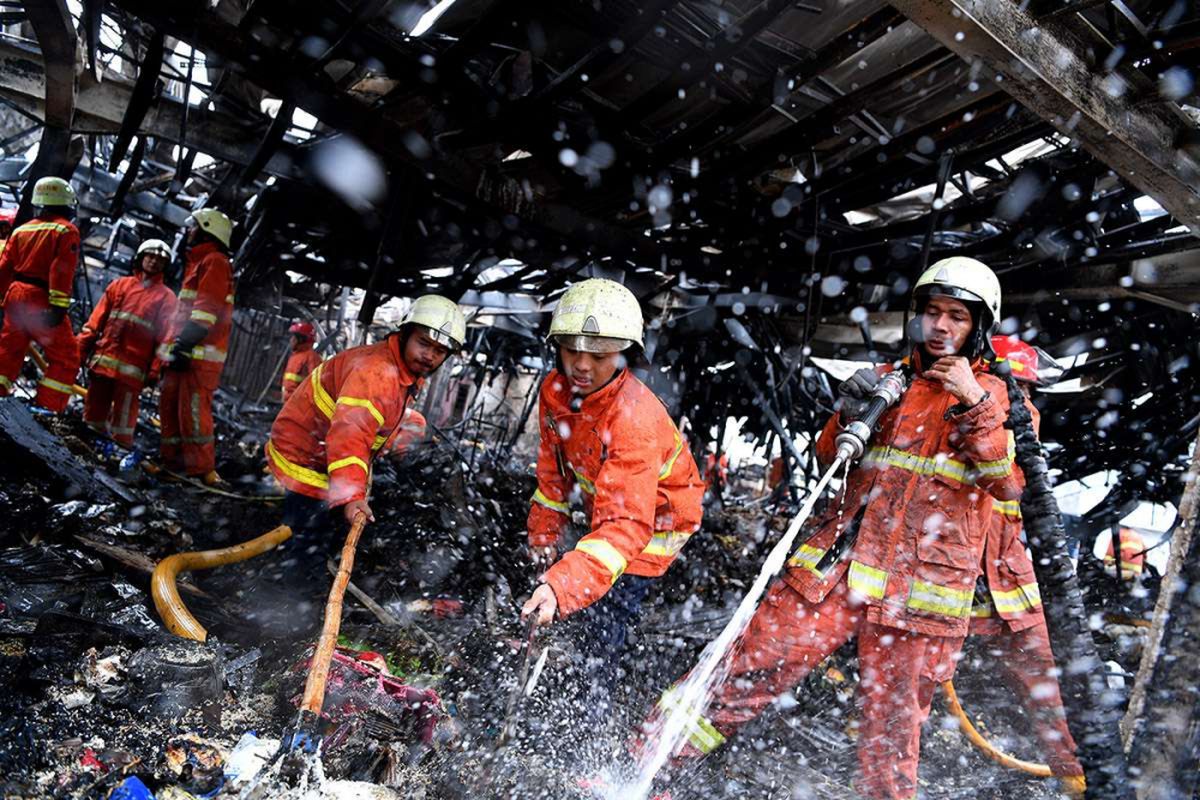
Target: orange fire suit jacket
[[206, 297], [300, 363], [1013, 599], [347, 410], [43, 252], [126, 327], [638, 481], [923, 491]]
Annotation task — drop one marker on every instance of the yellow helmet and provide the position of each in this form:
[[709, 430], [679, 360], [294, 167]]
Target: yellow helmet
[[441, 316], [53, 192], [214, 222], [597, 316], [970, 281]]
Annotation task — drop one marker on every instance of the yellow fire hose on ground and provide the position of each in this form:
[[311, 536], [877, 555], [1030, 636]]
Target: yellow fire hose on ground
[[989, 749], [167, 601]]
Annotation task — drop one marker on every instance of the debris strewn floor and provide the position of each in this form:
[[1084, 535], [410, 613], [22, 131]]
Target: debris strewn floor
[[95, 692]]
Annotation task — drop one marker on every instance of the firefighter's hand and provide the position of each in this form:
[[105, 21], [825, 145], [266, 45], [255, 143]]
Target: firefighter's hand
[[52, 317], [542, 606], [180, 361], [854, 392], [955, 375], [356, 507], [543, 557]]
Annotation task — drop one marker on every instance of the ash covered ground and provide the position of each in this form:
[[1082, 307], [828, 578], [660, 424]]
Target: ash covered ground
[[96, 691]]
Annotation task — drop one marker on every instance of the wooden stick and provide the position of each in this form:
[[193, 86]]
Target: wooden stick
[[318, 669], [136, 561], [387, 617]]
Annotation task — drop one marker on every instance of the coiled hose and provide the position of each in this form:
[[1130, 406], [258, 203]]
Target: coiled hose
[[167, 601]]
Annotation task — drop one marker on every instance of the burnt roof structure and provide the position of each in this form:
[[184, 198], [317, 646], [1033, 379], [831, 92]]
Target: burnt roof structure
[[763, 174]]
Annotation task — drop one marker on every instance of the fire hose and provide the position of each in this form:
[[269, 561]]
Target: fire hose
[[986, 747], [167, 601]]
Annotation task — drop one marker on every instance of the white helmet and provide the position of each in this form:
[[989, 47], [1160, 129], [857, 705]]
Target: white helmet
[[597, 316], [441, 317], [154, 246], [970, 281]]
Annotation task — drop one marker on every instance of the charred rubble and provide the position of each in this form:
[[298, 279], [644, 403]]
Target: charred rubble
[[768, 179]]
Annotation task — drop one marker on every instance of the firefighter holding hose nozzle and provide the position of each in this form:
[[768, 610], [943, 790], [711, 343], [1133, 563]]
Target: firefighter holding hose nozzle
[[894, 561]]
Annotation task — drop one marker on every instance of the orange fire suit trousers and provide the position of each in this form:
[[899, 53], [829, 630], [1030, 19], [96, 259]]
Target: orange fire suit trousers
[[185, 412], [111, 406], [1027, 664], [789, 636], [24, 308]]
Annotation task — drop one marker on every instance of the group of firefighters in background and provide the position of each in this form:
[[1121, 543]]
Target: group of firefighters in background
[[923, 547]]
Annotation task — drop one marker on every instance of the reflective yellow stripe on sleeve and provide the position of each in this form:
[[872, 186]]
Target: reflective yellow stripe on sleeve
[[606, 554], [362, 402], [667, 543], [553, 505], [49, 383], [665, 472], [187, 294], [203, 316], [291, 376], [295, 471], [702, 734], [1007, 508], [59, 299], [349, 461], [321, 397], [1025, 597], [806, 556]]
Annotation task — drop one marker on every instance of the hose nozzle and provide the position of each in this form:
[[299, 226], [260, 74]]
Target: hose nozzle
[[852, 441]]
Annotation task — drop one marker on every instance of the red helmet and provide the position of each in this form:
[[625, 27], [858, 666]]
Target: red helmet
[[1021, 358], [304, 329]]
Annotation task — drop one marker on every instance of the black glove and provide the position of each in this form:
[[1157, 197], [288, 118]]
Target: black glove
[[855, 392], [181, 358], [181, 351], [53, 316], [1, 316]]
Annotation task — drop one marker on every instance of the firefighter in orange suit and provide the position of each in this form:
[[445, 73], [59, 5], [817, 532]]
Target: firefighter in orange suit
[[1008, 608], [608, 439], [303, 360], [119, 342], [37, 272], [1133, 554], [894, 561], [196, 354], [350, 409]]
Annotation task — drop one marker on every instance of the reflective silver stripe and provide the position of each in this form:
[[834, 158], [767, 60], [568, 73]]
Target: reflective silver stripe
[[119, 366], [867, 580], [806, 556], [196, 414], [943, 600], [134, 318], [206, 352]]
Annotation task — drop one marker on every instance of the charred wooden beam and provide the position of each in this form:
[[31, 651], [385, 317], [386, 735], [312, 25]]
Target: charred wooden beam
[[140, 99], [721, 47], [131, 173], [100, 108], [1044, 66], [292, 81], [843, 46], [55, 33]]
